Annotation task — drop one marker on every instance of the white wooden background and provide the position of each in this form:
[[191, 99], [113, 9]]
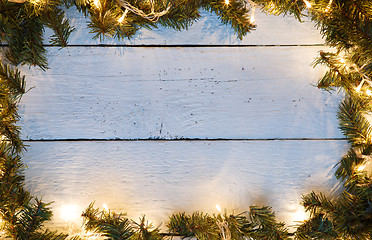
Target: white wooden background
[[264, 134]]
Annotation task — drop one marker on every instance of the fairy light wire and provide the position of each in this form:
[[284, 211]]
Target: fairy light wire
[[152, 16]]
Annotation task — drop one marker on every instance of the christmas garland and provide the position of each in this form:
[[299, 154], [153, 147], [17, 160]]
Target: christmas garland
[[346, 26]]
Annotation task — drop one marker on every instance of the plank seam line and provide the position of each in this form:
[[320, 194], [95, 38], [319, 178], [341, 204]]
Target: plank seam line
[[183, 45], [178, 139]]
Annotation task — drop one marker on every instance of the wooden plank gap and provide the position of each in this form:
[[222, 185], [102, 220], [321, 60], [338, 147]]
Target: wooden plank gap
[[177, 139], [182, 45]]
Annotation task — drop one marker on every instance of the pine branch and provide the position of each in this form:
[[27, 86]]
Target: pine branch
[[317, 227], [240, 226], [111, 225], [145, 231], [283, 7], [25, 39], [13, 196], [235, 14], [12, 87], [199, 225], [317, 204], [345, 27], [55, 19], [11, 81], [359, 184], [353, 124], [351, 218], [346, 166], [52, 235], [266, 224], [338, 75], [182, 15], [31, 219]]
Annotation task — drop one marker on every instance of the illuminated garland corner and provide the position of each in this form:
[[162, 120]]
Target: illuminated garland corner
[[346, 25]]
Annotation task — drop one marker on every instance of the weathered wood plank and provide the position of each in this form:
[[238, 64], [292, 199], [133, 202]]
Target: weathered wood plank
[[159, 178], [178, 93], [271, 30]]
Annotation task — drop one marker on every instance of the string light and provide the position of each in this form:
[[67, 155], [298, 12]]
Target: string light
[[368, 92], [105, 207], [35, 2], [97, 4], [253, 9], [357, 89], [307, 3], [152, 16], [361, 168], [299, 216], [70, 213], [329, 5], [121, 19], [252, 19], [218, 208], [227, 2], [223, 225]]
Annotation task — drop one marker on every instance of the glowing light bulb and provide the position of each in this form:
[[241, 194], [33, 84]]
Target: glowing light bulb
[[299, 216], [227, 2], [308, 5], [342, 60], [357, 89], [97, 4], [105, 207], [121, 19], [70, 213], [218, 208], [369, 92], [329, 5], [252, 18], [35, 2], [361, 168]]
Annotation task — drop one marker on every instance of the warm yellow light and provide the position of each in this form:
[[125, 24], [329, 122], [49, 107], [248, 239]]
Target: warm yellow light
[[218, 208], [308, 5], [121, 19], [252, 18], [357, 89], [97, 3], [227, 2], [369, 92], [329, 5], [342, 60], [299, 216], [35, 2], [70, 213], [361, 168], [105, 207]]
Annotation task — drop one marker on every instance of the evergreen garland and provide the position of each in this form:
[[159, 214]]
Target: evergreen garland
[[346, 25]]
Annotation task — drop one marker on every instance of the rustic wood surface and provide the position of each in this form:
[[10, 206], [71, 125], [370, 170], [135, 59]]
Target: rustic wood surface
[[129, 93], [158, 178], [131, 90]]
